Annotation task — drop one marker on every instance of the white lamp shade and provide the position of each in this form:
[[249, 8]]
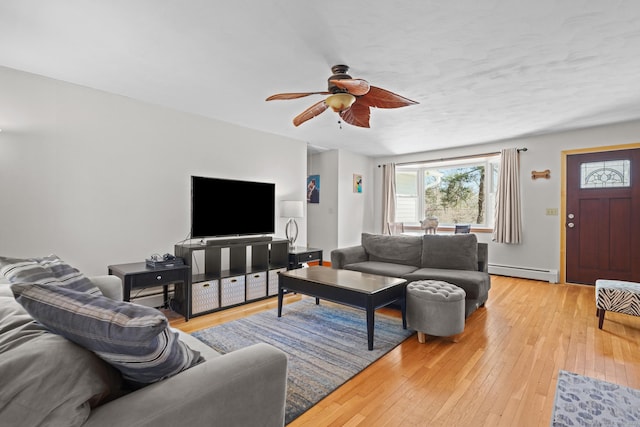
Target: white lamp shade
[[291, 209]]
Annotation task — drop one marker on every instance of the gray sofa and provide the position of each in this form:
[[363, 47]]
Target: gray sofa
[[458, 259], [246, 387]]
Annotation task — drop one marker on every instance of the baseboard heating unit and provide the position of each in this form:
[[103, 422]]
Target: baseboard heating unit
[[550, 276]]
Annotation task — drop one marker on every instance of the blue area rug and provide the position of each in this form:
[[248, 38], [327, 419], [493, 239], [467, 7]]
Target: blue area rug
[[585, 401], [326, 345]]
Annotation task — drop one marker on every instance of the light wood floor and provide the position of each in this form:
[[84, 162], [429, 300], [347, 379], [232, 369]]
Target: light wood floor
[[501, 372]]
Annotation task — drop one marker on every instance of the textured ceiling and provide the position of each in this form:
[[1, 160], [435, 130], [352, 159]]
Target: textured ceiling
[[482, 70]]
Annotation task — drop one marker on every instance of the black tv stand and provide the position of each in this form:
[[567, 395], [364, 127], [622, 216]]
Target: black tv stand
[[236, 271]]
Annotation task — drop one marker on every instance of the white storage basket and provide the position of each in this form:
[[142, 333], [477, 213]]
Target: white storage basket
[[232, 291], [256, 285], [204, 296], [273, 281]]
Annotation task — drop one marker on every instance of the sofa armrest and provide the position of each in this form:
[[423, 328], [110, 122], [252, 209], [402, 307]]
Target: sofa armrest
[[111, 286], [350, 255], [483, 257], [246, 387]]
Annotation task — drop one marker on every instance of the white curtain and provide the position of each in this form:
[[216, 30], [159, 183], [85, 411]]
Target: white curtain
[[388, 197], [508, 222]]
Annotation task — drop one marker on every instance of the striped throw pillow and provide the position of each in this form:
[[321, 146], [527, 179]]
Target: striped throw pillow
[[134, 339], [50, 270]]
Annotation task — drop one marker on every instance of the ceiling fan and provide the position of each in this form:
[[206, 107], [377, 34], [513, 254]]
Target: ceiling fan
[[350, 98]]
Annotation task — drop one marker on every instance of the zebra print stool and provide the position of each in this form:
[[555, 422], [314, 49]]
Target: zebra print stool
[[617, 296]]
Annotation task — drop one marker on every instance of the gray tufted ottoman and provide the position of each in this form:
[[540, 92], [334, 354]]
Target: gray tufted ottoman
[[435, 308]]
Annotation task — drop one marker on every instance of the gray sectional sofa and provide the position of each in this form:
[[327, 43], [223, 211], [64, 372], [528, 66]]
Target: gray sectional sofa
[[458, 259], [48, 380]]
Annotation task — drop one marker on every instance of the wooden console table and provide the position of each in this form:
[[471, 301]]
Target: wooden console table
[[298, 255], [139, 275]]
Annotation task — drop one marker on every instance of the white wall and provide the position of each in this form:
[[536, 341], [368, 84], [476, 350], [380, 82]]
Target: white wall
[[322, 218], [355, 209], [342, 215], [102, 179], [541, 233]]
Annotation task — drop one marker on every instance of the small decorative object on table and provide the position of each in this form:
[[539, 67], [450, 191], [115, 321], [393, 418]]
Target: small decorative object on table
[[166, 260], [429, 225]]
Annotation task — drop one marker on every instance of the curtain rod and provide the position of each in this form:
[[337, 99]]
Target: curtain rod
[[456, 158]]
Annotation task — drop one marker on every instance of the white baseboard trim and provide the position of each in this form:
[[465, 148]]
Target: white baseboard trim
[[550, 276]]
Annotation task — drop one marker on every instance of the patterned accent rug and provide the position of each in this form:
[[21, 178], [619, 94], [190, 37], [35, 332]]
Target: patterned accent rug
[[585, 401], [326, 345]]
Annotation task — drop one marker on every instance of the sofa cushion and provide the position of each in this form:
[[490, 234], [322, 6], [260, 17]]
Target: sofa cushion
[[133, 338], [476, 284], [405, 250], [456, 251], [46, 379], [381, 268], [46, 270]]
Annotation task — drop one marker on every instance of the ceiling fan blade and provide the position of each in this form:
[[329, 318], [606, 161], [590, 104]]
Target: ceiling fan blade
[[357, 87], [382, 98], [357, 115], [310, 113], [295, 95]]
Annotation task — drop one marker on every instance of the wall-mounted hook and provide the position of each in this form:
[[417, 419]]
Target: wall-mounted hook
[[543, 174]]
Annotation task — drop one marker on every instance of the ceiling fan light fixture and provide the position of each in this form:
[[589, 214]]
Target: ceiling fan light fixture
[[340, 101], [351, 98]]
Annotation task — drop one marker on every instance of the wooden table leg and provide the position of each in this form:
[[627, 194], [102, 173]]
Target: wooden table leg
[[280, 297], [370, 324], [403, 310]]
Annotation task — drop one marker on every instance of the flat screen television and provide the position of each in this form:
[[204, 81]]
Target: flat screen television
[[226, 207]]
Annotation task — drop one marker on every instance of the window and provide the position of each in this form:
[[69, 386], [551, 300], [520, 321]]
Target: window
[[605, 174], [406, 195], [460, 191]]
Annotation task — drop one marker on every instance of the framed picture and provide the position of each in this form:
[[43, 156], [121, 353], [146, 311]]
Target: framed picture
[[357, 183], [313, 189]]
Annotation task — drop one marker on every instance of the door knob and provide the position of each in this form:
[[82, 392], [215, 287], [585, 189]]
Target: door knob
[[571, 225], [571, 216]]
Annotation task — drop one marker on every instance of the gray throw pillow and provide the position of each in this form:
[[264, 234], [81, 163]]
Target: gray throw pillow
[[45, 379], [456, 251], [404, 250], [133, 338], [49, 270]]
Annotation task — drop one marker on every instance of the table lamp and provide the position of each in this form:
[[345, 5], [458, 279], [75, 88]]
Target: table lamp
[[291, 209]]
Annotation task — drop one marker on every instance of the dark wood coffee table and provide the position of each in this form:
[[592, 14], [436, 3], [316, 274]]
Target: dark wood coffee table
[[352, 288]]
